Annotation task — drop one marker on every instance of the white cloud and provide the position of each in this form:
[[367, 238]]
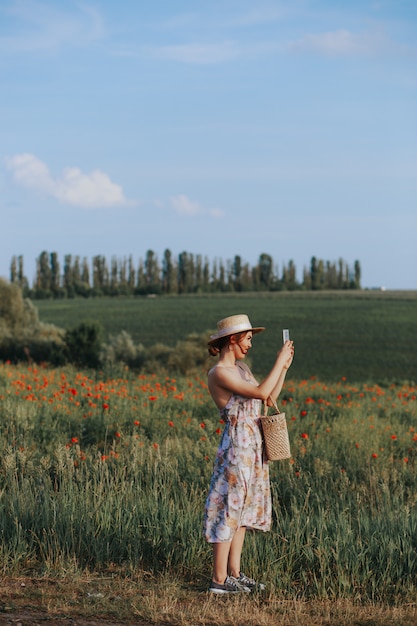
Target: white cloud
[[197, 53], [343, 43], [93, 190], [260, 15], [37, 26], [184, 206]]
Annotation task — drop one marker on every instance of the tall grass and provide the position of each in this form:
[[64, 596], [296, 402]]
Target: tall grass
[[97, 471]]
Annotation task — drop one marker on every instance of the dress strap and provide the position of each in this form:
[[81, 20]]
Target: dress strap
[[247, 374]]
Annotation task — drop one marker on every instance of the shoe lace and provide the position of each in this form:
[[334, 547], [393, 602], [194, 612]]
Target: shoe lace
[[245, 580], [234, 583]]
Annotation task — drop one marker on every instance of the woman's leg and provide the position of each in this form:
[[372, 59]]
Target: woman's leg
[[226, 557], [233, 564], [220, 560]]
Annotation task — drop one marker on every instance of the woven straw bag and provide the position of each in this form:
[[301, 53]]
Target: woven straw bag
[[275, 434]]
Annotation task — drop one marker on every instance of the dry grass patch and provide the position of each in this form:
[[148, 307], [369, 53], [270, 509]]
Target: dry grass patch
[[142, 599]]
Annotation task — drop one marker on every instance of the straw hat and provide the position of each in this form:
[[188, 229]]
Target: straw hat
[[233, 324]]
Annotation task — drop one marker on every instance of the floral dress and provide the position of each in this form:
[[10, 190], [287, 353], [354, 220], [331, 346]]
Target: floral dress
[[239, 493]]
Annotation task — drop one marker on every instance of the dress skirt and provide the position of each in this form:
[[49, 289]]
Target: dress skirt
[[239, 493]]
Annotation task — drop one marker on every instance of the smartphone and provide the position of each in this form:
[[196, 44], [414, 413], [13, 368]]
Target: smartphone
[[285, 335]]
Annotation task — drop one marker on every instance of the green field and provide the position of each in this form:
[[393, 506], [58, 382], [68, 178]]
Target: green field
[[117, 470], [117, 464], [364, 336]]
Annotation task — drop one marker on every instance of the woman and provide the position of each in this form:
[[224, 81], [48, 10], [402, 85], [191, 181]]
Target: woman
[[239, 495]]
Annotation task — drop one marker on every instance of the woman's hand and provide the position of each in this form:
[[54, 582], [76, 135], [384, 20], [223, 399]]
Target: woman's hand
[[284, 360], [287, 351]]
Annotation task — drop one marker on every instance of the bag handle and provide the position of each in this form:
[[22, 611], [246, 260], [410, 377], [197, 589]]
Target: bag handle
[[274, 404]]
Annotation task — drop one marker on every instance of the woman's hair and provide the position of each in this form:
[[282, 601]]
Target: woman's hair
[[215, 348]]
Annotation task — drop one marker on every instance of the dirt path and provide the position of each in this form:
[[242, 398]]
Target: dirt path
[[39, 618]]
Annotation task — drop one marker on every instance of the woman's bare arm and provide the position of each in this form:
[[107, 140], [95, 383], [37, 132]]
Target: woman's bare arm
[[227, 379]]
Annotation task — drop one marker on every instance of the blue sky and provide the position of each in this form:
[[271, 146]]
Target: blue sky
[[219, 128]]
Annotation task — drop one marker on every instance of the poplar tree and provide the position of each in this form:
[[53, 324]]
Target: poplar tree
[[123, 284], [320, 274], [85, 275], [265, 273], [131, 275], [306, 278], [21, 278], [100, 275], [43, 276], [198, 273], [13, 270], [237, 273], [17, 275], [357, 270], [140, 282], [191, 273], [313, 272], [247, 285], [222, 277], [331, 276], [76, 274], [55, 280], [214, 276], [255, 278], [340, 274], [169, 273], [288, 280], [152, 278], [68, 281], [229, 275], [206, 275], [185, 273], [114, 276]]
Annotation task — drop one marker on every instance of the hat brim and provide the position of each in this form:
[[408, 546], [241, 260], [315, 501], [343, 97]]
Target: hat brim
[[254, 331]]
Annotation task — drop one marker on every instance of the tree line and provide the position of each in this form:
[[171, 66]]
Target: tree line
[[186, 273]]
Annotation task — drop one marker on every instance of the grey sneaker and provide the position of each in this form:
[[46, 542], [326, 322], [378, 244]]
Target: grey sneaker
[[230, 585], [250, 583]]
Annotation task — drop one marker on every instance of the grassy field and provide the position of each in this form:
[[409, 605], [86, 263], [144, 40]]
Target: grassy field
[[117, 468], [364, 336], [117, 471]]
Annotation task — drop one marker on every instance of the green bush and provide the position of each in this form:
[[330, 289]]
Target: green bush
[[22, 336], [83, 344], [121, 349], [182, 358]]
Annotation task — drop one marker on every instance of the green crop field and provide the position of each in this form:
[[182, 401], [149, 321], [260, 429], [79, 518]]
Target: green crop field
[[364, 336]]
